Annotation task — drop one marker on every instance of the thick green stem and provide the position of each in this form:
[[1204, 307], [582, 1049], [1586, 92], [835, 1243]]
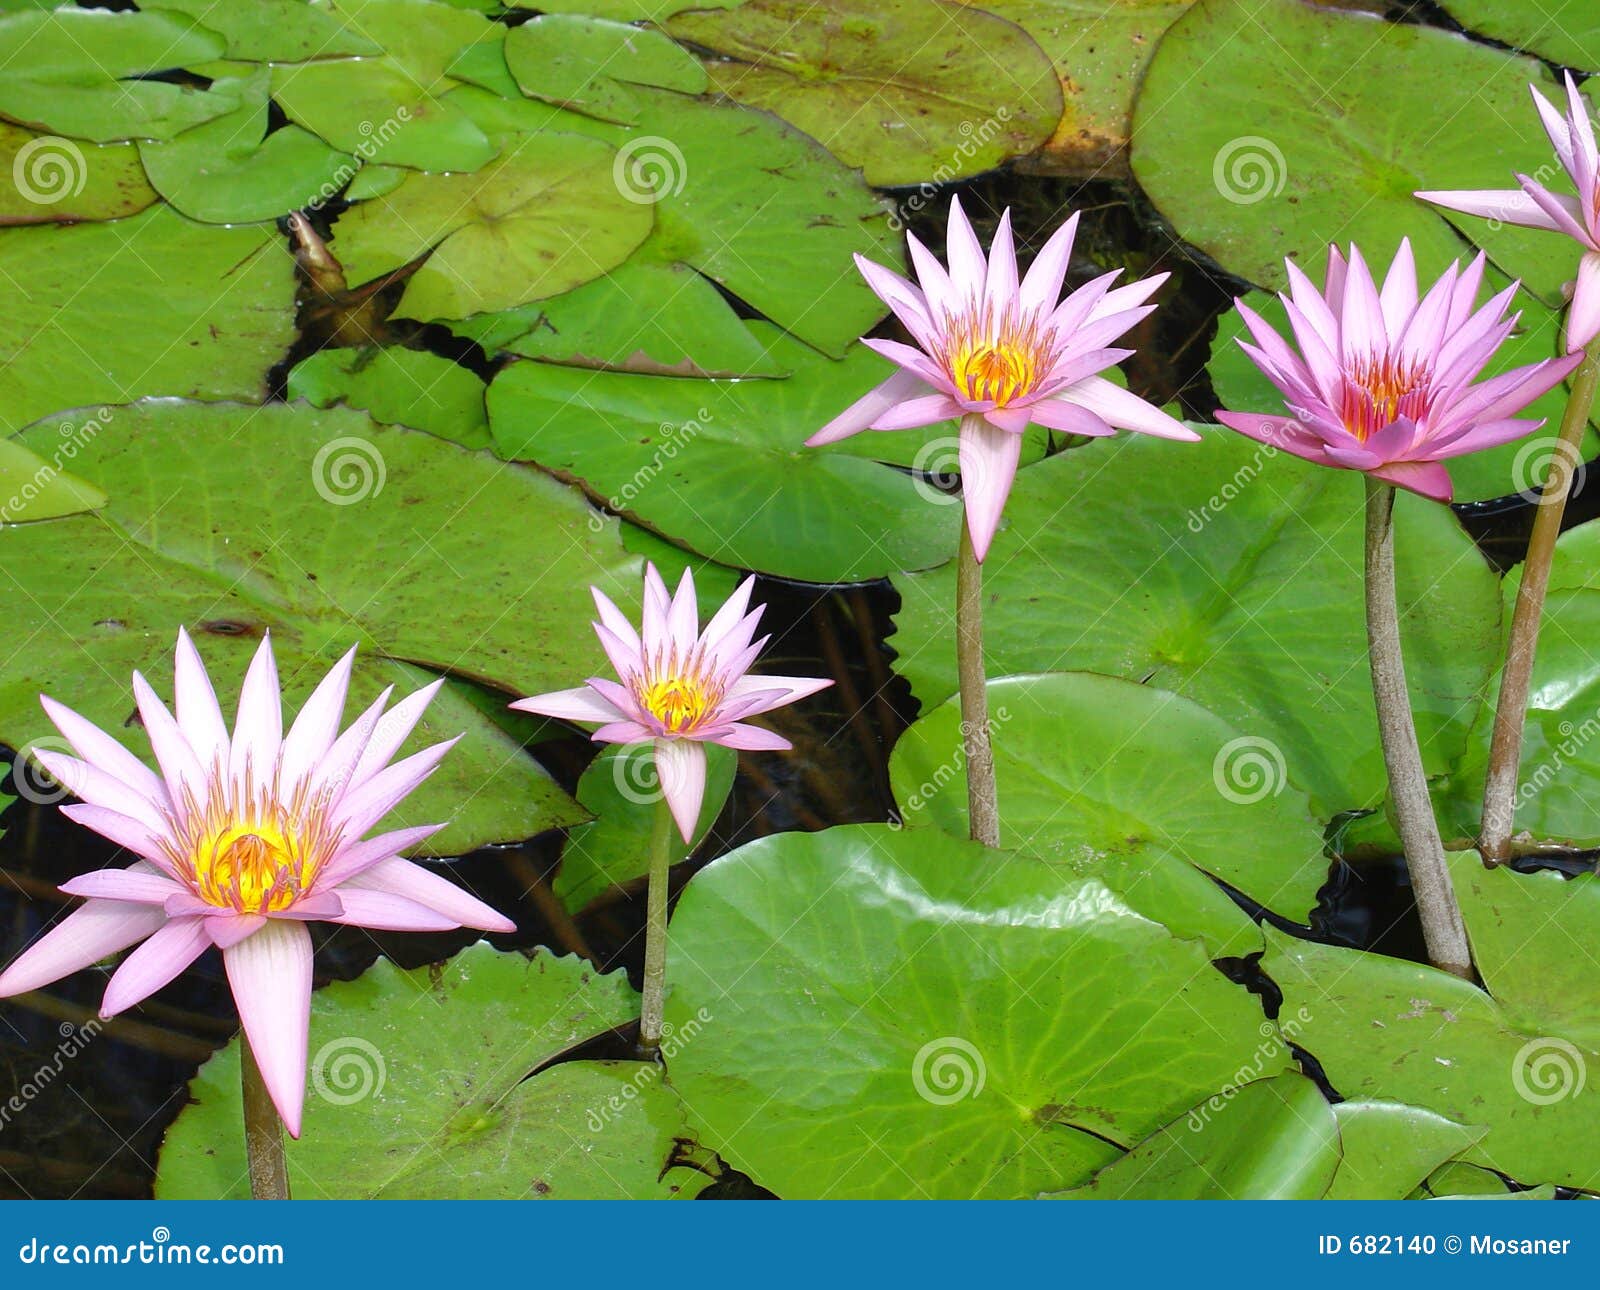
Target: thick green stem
[[655, 932], [982, 804], [1442, 928], [263, 1132], [1505, 748]]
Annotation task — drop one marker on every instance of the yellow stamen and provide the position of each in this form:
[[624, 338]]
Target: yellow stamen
[[679, 701], [1379, 391], [998, 360]]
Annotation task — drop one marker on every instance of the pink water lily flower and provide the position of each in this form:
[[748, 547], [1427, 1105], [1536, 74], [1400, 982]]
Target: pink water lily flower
[[241, 838], [679, 687], [1533, 205], [1384, 382], [1002, 355]]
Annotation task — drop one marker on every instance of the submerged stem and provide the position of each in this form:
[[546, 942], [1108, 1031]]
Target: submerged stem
[[655, 932], [982, 804], [1505, 749], [263, 1132], [1442, 928]]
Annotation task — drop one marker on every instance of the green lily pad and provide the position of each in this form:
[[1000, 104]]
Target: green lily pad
[[501, 237], [586, 63], [620, 789], [720, 466], [85, 73], [1147, 782], [329, 531], [1387, 1149], [1565, 34], [752, 204], [231, 171], [1395, 1031], [1235, 141], [1100, 49], [714, 582], [1231, 574], [1517, 467], [1272, 1139], [33, 488], [177, 309], [971, 1023], [1458, 1181], [419, 1089], [907, 90], [274, 31], [61, 181], [397, 386], [390, 109]]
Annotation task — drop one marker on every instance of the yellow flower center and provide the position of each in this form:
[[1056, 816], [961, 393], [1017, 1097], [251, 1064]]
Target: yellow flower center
[[995, 360], [680, 702], [998, 373], [1379, 391]]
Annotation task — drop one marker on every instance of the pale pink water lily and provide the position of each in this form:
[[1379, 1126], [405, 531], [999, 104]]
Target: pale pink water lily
[[1386, 383], [241, 838], [1533, 205], [1002, 354], [679, 687]]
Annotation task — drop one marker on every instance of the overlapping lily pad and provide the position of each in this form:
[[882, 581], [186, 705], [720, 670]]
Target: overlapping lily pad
[[1388, 1149], [973, 1023], [55, 180], [586, 63], [720, 466], [1231, 574], [908, 90], [419, 1089], [177, 308], [328, 531], [398, 386], [1147, 785], [1269, 128], [1566, 34], [274, 31], [34, 488]]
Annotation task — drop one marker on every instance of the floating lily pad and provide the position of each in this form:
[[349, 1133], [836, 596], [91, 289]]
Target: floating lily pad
[[177, 308], [1387, 1149], [720, 466], [1271, 1139], [1231, 574], [418, 1089], [398, 386], [86, 73], [586, 63], [971, 1023], [1142, 787], [1458, 1180], [273, 31], [1566, 34], [501, 237], [391, 108], [1100, 49], [631, 10], [328, 531], [232, 171], [33, 488], [60, 181], [1237, 141], [620, 789], [1395, 1031], [908, 90], [714, 582]]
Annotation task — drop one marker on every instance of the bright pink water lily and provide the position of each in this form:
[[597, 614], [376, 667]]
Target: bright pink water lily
[[679, 687], [1533, 205], [1384, 382], [1002, 355], [242, 839]]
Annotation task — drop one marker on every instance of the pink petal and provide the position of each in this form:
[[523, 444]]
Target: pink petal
[[1361, 326], [581, 704], [1066, 416], [159, 960], [622, 631], [374, 798], [1117, 407], [363, 855], [931, 275], [622, 732], [137, 884], [125, 832], [270, 973], [1041, 287], [869, 407], [914, 413], [392, 730], [1000, 282], [1428, 478], [99, 749], [198, 711], [258, 725], [1286, 433], [749, 738], [1563, 211], [1398, 299], [90, 933], [337, 769], [657, 610], [311, 737], [968, 267], [904, 298], [989, 459], [788, 689], [729, 616], [186, 779], [320, 906], [1508, 205], [383, 911], [683, 618], [1583, 317], [97, 788], [681, 765], [1488, 434], [402, 878], [228, 930]]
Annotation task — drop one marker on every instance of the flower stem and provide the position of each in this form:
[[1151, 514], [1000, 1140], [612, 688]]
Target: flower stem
[[1442, 929], [982, 804], [655, 933], [263, 1132], [1505, 748]]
